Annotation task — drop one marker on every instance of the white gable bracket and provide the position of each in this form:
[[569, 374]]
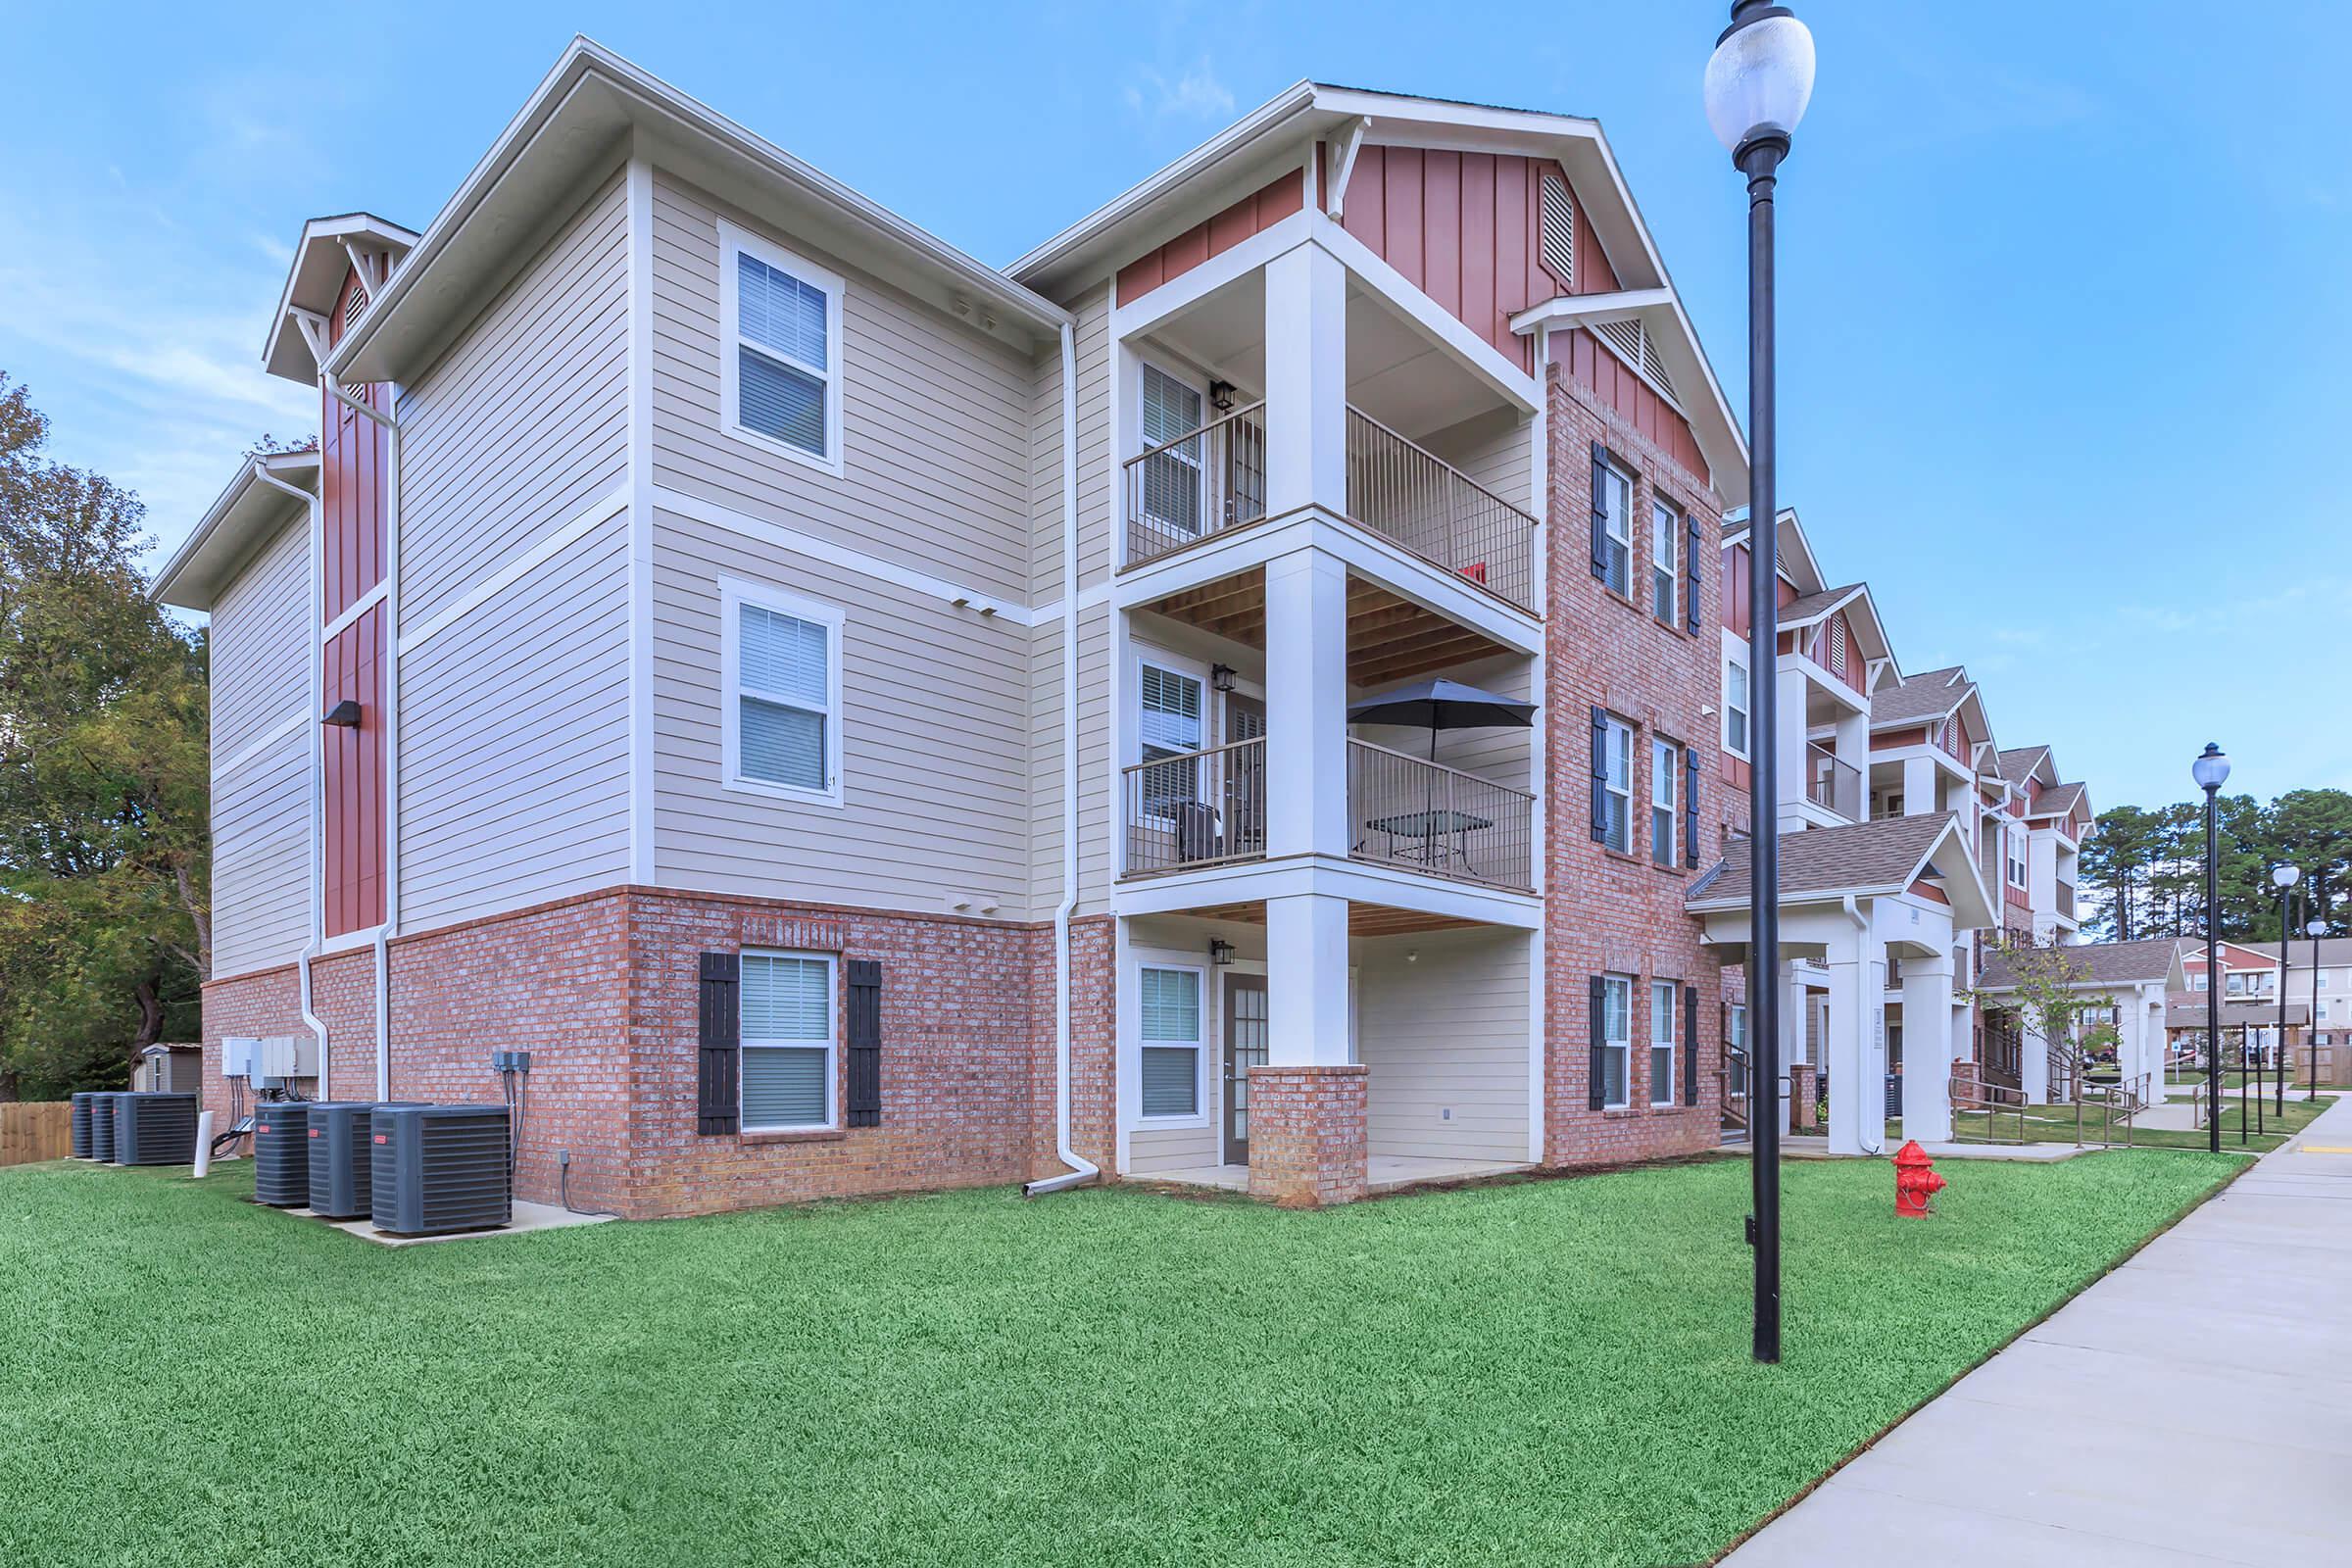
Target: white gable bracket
[[1339, 162]]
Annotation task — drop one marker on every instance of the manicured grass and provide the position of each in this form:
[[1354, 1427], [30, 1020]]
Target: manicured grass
[[1550, 1372], [2055, 1124]]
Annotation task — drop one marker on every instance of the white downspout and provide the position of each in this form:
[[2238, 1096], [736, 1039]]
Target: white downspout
[[309, 950], [391, 723], [1081, 1168]]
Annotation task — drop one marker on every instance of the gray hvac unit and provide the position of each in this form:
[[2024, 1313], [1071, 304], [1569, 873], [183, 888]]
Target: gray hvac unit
[[101, 1125], [340, 1159], [440, 1168], [153, 1127], [82, 1123], [282, 1153]]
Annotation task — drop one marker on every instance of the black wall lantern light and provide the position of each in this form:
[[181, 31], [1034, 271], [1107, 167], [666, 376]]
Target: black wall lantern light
[[1220, 951], [1220, 676], [345, 714]]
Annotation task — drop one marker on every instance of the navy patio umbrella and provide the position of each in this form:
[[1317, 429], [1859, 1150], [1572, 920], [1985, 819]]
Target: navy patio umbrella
[[1438, 703]]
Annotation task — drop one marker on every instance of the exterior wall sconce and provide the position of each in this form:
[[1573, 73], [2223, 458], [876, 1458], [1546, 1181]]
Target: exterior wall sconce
[[1220, 676], [1220, 396], [1220, 951], [345, 714]]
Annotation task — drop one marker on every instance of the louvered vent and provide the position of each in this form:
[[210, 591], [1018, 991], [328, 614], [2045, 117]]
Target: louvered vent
[[353, 306], [155, 1128], [1559, 214], [1634, 344], [282, 1153], [1837, 649], [439, 1168]]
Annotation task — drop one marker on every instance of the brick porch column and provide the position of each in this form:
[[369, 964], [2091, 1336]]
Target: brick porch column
[[1307, 1138], [1803, 1098]]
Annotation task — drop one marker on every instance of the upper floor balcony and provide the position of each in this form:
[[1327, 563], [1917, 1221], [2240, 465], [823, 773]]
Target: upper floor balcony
[[1832, 784], [1205, 481]]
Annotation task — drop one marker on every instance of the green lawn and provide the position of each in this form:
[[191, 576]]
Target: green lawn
[[2055, 1124], [1546, 1372]]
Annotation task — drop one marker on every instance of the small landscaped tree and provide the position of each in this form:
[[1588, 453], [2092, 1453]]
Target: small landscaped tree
[[2049, 989]]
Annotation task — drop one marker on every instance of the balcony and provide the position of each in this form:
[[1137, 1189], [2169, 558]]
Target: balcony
[[2066, 900], [1211, 480], [1832, 785], [1209, 808]]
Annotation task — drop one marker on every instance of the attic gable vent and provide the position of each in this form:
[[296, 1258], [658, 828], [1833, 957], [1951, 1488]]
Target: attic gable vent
[[1558, 216], [353, 305], [1634, 345]]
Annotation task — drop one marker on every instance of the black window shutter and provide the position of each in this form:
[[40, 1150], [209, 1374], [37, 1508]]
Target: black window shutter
[[718, 1078], [1600, 510], [1690, 616], [1601, 774], [865, 1043], [1597, 1093], [1689, 1044], [1691, 807]]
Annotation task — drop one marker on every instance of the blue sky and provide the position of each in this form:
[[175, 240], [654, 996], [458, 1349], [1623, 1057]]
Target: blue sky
[[2064, 307]]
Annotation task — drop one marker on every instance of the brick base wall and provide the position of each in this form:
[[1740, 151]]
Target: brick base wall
[[1308, 1138]]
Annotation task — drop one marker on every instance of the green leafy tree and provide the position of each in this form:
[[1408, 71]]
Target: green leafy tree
[[105, 923]]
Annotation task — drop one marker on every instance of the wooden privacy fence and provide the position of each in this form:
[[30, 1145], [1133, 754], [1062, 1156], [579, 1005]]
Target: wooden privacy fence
[[35, 1129]]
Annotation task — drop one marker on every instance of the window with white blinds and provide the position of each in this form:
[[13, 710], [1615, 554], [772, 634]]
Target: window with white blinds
[[780, 349], [782, 694], [1172, 478], [1661, 1042], [1616, 1040], [1171, 1044], [787, 1028]]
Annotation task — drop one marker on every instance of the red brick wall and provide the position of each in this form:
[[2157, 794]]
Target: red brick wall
[[1308, 1134], [1607, 913]]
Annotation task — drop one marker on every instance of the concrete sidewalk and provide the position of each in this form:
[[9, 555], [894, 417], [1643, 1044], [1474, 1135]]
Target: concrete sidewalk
[[2194, 1407]]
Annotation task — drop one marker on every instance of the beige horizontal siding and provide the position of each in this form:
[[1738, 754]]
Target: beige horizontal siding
[[261, 856], [1445, 1038], [936, 417], [258, 624], [525, 419], [934, 738]]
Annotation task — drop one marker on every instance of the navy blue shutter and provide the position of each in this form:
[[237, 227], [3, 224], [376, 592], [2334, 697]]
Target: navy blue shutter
[[865, 1043], [1689, 1044], [1691, 807], [1600, 510], [1597, 1092], [718, 1080], [1601, 774], [1691, 617]]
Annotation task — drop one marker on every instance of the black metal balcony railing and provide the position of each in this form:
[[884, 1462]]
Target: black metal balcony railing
[[2066, 900], [1196, 809], [1213, 479], [1832, 784]]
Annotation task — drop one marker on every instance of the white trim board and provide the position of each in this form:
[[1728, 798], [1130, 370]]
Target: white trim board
[[598, 513], [290, 724]]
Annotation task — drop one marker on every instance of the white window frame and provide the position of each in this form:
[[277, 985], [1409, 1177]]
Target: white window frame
[[1666, 563], [1665, 1004], [1619, 732], [1665, 771], [2013, 851], [1187, 670], [832, 1043], [733, 595], [1619, 530], [1199, 1114], [1736, 663], [1621, 1045], [734, 241], [1196, 382], [1736, 1064]]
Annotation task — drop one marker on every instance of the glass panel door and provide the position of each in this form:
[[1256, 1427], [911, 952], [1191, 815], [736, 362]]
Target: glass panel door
[[1245, 1048]]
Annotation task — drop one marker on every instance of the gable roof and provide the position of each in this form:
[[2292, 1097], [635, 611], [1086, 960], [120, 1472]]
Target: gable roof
[[1806, 608], [2020, 763], [1793, 550], [2151, 960], [2334, 951], [1856, 859], [248, 511], [566, 132], [322, 258], [2057, 801], [2238, 1013], [1912, 698]]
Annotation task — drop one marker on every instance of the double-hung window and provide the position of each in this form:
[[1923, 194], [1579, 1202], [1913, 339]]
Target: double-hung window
[[1665, 761], [787, 1072], [781, 658], [1734, 1053], [1169, 724], [1174, 487], [779, 332], [1171, 1041], [1665, 561], [1616, 1040], [1617, 530], [1734, 704], [1661, 1040], [1617, 787], [2015, 843]]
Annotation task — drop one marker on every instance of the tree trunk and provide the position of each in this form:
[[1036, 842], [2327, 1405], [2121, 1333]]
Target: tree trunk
[[151, 1017], [200, 915]]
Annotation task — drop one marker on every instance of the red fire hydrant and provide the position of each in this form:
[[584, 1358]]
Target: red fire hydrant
[[1915, 1181]]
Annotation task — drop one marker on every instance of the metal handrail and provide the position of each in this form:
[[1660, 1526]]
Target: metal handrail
[[1831, 782], [1414, 497], [1226, 458], [1196, 808], [1425, 816]]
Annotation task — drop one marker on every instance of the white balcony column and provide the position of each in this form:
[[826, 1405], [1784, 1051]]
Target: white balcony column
[[2032, 1066], [1306, 705], [1791, 741], [1919, 785], [1306, 381], [1853, 750], [1857, 1093], [1928, 1048], [2147, 1039], [1306, 980]]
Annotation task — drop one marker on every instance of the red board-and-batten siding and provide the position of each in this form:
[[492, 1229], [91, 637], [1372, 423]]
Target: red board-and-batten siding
[[351, 476]]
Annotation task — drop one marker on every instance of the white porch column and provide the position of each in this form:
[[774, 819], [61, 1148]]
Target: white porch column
[[1791, 689], [2032, 1066], [1857, 1094], [1306, 705], [1928, 1048], [1306, 381], [1919, 786], [1306, 987]]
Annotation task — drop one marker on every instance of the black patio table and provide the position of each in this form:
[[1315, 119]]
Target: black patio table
[[1432, 829]]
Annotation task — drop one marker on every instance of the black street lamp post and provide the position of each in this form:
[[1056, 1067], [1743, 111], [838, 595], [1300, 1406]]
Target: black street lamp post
[[2311, 1032], [2283, 877], [2211, 771], [1757, 83]]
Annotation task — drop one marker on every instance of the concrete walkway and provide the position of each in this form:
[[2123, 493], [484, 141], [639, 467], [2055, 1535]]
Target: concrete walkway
[[2194, 1407]]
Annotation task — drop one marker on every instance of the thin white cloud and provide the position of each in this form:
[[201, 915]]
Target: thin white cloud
[[1194, 93]]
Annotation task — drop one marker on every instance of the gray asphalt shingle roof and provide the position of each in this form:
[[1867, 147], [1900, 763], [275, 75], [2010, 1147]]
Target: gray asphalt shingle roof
[[2110, 963], [1921, 697], [1856, 857]]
